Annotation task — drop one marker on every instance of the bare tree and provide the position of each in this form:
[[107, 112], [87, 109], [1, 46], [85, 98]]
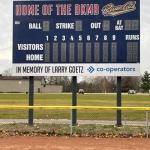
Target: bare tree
[[7, 72], [64, 81], [130, 83]]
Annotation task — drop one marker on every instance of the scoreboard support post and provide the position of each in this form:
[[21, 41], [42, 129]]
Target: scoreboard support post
[[119, 101], [31, 100], [74, 101]]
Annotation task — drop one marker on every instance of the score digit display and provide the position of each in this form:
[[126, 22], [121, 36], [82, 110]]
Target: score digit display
[[76, 38]]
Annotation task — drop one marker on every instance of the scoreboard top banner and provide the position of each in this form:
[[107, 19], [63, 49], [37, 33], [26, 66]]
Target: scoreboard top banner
[[76, 38]]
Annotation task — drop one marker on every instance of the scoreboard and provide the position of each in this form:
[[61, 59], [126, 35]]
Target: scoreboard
[[76, 38]]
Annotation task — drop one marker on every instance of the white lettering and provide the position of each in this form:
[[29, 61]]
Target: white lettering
[[96, 25], [132, 37], [65, 26], [30, 46], [36, 26], [33, 57]]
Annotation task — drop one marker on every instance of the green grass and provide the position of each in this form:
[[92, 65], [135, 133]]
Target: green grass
[[65, 99]]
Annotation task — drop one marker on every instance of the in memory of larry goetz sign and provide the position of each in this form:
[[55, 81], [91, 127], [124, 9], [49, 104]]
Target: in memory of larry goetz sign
[[76, 38]]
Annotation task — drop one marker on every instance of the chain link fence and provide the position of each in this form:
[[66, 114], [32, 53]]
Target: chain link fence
[[91, 118]]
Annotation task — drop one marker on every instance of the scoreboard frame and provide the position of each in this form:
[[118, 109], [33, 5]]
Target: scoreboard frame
[[75, 38]]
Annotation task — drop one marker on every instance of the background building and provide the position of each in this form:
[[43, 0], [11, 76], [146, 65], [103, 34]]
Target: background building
[[21, 85]]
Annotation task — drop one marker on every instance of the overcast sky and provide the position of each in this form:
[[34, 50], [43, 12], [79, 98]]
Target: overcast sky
[[6, 35]]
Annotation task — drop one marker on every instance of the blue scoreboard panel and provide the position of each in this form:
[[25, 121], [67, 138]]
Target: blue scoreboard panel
[[74, 37]]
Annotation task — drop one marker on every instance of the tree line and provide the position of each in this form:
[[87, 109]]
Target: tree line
[[103, 84], [99, 84]]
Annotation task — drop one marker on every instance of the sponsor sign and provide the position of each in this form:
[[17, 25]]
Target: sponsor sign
[[76, 38]]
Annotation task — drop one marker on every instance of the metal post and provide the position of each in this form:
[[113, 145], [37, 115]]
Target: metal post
[[147, 124], [119, 89], [74, 100], [31, 99]]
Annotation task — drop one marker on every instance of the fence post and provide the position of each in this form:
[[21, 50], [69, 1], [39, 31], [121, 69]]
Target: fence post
[[74, 100], [119, 100], [147, 124], [31, 100]]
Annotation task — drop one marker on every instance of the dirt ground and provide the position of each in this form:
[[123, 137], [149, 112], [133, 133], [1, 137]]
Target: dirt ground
[[74, 143]]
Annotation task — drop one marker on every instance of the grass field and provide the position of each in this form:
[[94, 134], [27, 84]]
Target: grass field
[[65, 99]]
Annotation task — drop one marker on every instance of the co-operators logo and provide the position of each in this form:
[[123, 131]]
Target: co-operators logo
[[91, 69]]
